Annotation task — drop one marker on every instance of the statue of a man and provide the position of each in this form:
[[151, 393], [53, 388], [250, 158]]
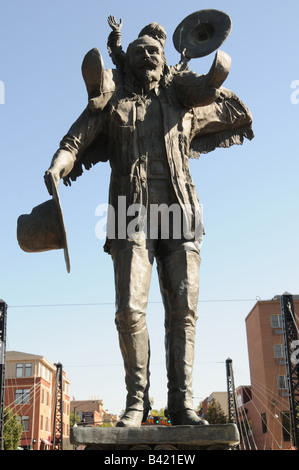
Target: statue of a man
[[152, 119]]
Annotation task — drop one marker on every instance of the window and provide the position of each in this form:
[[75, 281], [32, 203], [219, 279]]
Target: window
[[282, 382], [264, 422], [22, 396], [47, 424], [276, 321], [286, 425], [278, 351], [19, 370], [25, 422], [45, 373], [28, 370], [41, 422], [23, 370]]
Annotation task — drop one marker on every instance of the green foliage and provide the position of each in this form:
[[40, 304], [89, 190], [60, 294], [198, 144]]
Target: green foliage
[[106, 424], [160, 413], [12, 430], [72, 421], [215, 414]]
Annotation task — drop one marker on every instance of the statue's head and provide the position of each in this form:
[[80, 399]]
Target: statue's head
[[146, 59], [155, 31]]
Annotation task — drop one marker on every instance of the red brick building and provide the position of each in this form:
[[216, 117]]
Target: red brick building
[[263, 407], [30, 393], [91, 412]]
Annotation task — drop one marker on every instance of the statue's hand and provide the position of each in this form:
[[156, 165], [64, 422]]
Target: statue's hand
[[113, 23], [49, 177], [184, 59]]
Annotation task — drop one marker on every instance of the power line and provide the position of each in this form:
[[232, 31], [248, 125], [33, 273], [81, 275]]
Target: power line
[[121, 364], [113, 303]]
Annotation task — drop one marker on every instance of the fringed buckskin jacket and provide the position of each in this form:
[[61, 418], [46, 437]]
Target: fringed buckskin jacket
[[117, 133]]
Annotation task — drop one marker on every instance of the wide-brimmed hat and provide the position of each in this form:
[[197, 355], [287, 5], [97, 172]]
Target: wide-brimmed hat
[[44, 228], [201, 33]]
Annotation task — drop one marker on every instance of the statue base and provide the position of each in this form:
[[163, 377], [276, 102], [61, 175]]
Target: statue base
[[212, 437]]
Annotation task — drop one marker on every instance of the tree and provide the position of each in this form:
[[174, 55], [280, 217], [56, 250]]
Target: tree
[[160, 413], [215, 414], [12, 430], [72, 422], [106, 424]]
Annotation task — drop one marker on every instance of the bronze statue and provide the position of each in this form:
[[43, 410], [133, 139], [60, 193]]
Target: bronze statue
[[147, 119]]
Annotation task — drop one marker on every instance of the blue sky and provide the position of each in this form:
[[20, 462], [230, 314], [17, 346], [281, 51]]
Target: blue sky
[[249, 193]]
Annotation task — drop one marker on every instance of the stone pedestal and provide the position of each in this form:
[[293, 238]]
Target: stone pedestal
[[212, 437]]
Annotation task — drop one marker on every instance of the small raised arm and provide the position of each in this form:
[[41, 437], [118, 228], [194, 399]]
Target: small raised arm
[[113, 23]]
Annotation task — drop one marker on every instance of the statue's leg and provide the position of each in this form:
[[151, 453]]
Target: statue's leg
[[132, 268], [179, 281]]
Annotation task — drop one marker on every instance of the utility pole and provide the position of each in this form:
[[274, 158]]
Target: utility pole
[[3, 321], [231, 396], [232, 407], [58, 410], [292, 362]]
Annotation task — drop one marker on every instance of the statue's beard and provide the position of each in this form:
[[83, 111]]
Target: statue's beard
[[149, 73]]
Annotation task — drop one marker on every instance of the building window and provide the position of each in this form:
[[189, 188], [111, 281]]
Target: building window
[[19, 370], [25, 422], [47, 424], [279, 351], [22, 396], [286, 425], [23, 371], [41, 422], [264, 422], [45, 373], [276, 321], [43, 394], [282, 382], [28, 370]]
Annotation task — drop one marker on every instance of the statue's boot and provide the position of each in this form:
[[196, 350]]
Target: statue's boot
[[179, 359], [132, 268], [219, 70], [136, 353], [179, 280]]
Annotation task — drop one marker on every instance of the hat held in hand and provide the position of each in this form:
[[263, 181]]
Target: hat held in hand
[[44, 228]]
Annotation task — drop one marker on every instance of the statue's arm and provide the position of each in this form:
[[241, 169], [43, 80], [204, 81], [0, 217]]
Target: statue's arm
[[114, 41], [225, 122], [195, 90], [81, 134], [226, 113]]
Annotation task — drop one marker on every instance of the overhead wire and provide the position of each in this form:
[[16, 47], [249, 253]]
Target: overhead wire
[[259, 387], [264, 393], [93, 304], [19, 408]]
